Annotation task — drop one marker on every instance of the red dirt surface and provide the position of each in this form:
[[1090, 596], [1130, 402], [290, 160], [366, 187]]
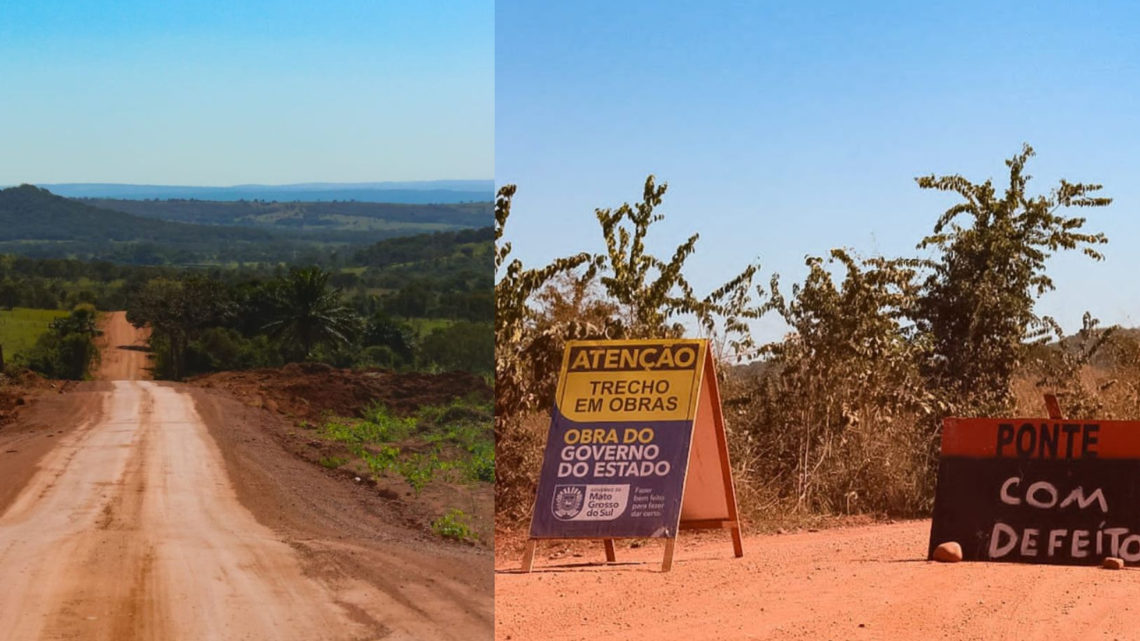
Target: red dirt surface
[[310, 390], [123, 350], [167, 512], [291, 403], [16, 392], [868, 582]]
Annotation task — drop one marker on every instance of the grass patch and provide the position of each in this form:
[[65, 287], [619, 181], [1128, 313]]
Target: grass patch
[[453, 442], [332, 462], [20, 327], [425, 326]]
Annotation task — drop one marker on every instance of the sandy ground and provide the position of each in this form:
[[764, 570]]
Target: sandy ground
[[125, 517], [868, 582]]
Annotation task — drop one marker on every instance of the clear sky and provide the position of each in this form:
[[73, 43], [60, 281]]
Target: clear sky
[[785, 129], [209, 92]]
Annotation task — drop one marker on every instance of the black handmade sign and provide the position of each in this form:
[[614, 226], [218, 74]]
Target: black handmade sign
[[1039, 490]]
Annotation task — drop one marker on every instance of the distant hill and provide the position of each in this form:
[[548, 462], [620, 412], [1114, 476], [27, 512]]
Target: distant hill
[[471, 244], [435, 191], [33, 215], [388, 219], [35, 222]]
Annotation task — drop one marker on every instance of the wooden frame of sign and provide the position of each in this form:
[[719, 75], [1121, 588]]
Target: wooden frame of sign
[[704, 481]]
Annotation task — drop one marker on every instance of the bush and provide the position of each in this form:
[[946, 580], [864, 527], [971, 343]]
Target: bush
[[67, 350], [464, 345], [453, 525], [221, 348]]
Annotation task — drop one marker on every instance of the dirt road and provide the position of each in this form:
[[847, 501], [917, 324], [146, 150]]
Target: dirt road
[[868, 582], [122, 348], [133, 521]]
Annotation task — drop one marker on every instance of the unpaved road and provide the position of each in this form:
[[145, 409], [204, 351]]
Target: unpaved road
[[122, 348], [131, 522], [868, 582]]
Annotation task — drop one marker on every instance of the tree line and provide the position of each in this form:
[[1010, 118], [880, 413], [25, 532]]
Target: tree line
[[201, 324]]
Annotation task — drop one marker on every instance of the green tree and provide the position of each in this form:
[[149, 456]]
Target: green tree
[[67, 350], [462, 345], [82, 320], [989, 271], [308, 312], [652, 294], [177, 311], [837, 419], [514, 353], [640, 296], [382, 330]]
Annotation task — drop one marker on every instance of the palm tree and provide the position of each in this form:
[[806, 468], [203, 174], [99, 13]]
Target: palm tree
[[308, 312]]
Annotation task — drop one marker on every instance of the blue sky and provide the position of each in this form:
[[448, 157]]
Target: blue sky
[[265, 91], [786, 130]]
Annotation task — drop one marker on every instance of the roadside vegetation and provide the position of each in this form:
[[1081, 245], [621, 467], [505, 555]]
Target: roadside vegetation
[[454, 525], [21, 327], [201, 325], [428, 308], [438, 454], [452, 443], [843, 415], [52, 343], [67, 350]]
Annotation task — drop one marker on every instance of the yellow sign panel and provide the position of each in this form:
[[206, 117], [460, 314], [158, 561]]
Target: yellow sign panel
[[646, 381]]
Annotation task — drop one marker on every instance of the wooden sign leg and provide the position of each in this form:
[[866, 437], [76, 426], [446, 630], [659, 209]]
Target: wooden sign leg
[[1053, 407], [528, 556], [737, 542], [667, 564], [611, 554]]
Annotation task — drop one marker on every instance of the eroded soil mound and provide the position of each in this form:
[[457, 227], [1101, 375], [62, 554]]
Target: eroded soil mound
[[313, 390], [17, 390], [422, 442]]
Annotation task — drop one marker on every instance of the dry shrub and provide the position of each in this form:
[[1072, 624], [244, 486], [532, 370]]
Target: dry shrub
[[843, 416]]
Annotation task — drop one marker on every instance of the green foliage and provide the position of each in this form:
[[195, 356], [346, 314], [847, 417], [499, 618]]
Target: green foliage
[[178, 312], [308, 312], [237, 338], [67, 350], [642, 296], [223, 348], [419, 469], [436, 441], [36, 221], [840, 415], [463, 423], [843, 415], [379, 459], [398, 338], [463, 346], [454, 525], [651, 294], [978, 301], [21, 327], [1059, 367], [453, 245], [377, 426], [332, 462]]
